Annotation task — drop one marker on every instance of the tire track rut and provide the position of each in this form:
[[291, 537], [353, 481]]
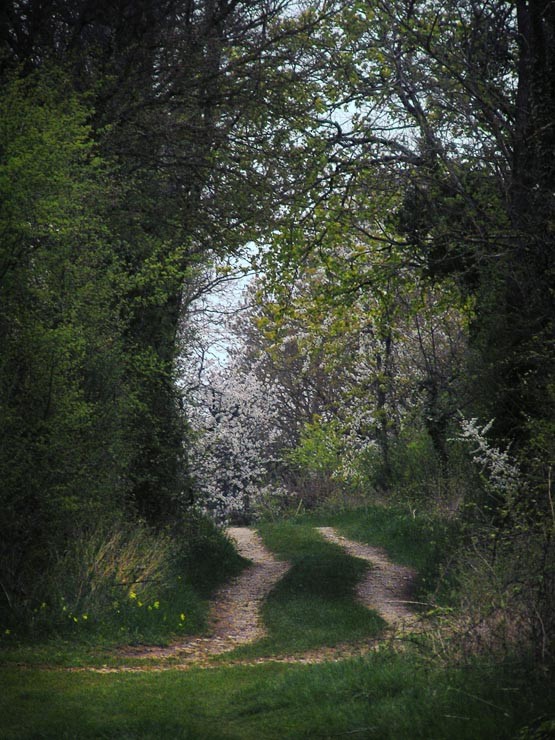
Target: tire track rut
[[387, 587], [235, 610]]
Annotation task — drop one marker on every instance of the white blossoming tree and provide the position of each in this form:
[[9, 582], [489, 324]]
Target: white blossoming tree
[[236, 439]]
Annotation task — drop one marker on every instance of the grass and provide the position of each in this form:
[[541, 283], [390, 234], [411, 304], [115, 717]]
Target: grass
[[422, 541], [384, 696], [181, 611], [314, 604], [203, 560]]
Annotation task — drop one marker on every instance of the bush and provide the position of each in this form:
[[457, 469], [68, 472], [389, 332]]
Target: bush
[[127, 583], [414, 471], [506, 570], [321, 468], [202, 553]]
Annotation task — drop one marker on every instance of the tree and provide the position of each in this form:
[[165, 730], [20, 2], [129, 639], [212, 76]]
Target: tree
[[64, 397], [135, 151], [427, 118], [189, 100], [355, 371]]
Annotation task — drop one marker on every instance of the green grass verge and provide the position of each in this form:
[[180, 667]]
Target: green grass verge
[[204, 560], [384, 696], [314, 604]]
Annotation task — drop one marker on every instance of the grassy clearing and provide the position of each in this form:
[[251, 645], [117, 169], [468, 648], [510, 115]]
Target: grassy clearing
[[314, 604], [385, 696]]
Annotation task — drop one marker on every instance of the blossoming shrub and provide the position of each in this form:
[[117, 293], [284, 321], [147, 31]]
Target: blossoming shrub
[[236, 446], [507, 568]]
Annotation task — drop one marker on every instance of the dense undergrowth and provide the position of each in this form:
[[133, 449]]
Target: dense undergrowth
[[122, 587]]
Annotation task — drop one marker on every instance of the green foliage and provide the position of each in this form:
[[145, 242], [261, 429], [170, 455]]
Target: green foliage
[[314, 465], [318, 451], [88, 411], [416, 473], [413, 469], [63, 395], [504, 596], [505, 570]]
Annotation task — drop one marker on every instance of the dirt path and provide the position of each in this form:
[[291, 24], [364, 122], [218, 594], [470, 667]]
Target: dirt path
[[235, 612], [387, 587]]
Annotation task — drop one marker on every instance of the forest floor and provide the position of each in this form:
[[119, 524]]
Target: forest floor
[[235, 617]]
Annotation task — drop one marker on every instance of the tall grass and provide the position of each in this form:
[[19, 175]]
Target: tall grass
[[123, 584], [117, 561]]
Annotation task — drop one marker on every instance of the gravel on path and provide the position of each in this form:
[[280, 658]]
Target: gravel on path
[[235, 610], [387, 587]]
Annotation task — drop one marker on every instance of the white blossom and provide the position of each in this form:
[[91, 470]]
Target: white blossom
[[495, 464]]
